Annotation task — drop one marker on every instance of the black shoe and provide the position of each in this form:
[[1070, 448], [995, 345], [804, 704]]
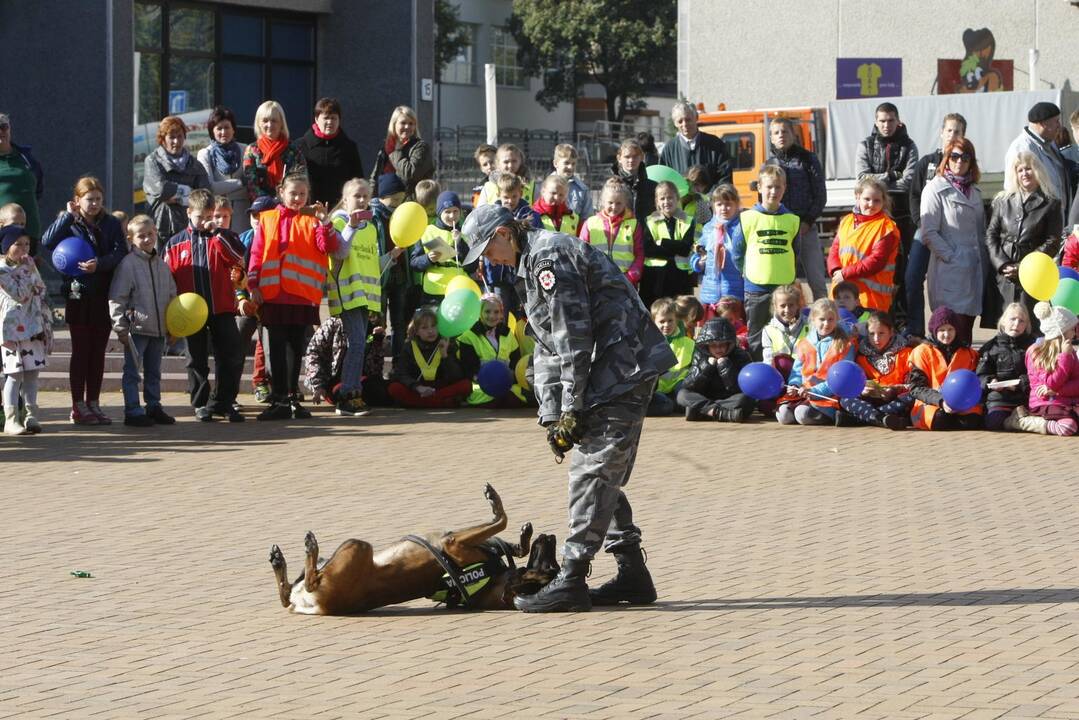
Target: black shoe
[[568, 592], [845, 419], [277, 411], [893, 422], [632, 584], [693, 415], [299, 412], [738, 415], [233, 415], [203, 414], [138, 420], [160, 417]]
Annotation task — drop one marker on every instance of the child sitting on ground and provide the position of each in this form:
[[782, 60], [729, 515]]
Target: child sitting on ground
[[325, 363], [716, 258], [427, 374], [1054, 376], [665, 316], [788, 325], [710, 390], [931, 363], [824, 345], [690, 313], [1002, 368], [25, 330], [490, 339], [731, 309], [615, 231], [846, 297], [885, 358], [142, 287], [552, 210]]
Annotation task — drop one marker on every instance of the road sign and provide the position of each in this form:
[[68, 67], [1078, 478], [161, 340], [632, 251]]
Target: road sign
[[177, 102]]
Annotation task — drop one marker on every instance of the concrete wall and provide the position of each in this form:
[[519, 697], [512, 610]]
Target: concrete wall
[[60, 80], [789, 59]]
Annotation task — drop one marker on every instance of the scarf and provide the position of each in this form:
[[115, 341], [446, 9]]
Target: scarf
[[273, 157], [321, 135], [721, 248], [948, 351], [178, 163], [883, 359], [387, 150], [961, 183], [226, 158], [555, 212]]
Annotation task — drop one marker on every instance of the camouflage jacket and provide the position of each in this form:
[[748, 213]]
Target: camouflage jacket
[[594, 338]]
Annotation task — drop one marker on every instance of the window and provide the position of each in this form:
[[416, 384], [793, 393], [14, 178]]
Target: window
[[741, 151], [190, 56], [462, 68], [504, 56]]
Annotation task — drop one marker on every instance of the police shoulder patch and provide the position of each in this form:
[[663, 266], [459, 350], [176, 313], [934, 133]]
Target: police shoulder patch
[[545, 274]]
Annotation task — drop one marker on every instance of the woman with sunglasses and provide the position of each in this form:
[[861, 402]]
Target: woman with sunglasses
[[953, 228]]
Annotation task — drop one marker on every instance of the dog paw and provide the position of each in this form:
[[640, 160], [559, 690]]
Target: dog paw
[[277, 558], [310, 543], [493, 497]]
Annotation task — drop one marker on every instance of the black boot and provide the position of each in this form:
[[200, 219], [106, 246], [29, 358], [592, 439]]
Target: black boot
[[568, 592], [632, 584], [845, 419], [737, 415]]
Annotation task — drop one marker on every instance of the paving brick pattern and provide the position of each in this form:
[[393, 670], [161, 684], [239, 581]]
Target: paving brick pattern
[[803, 573]]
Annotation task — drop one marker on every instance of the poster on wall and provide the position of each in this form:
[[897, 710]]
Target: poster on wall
[[978, 71], [868, 77]]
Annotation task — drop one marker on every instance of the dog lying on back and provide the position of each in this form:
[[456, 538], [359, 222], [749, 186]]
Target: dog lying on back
[[457, 567]]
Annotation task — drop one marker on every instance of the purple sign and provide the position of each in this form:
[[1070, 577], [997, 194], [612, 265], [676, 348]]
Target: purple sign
[[868, 77]]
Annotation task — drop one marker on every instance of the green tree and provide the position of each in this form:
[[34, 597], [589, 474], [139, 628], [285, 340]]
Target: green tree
[[451, 35], [622, 45]]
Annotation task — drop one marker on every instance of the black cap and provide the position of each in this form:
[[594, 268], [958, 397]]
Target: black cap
[[479, 226], [1042, 111]]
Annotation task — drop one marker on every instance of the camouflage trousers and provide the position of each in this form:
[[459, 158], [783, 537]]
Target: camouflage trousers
[[600, 466]]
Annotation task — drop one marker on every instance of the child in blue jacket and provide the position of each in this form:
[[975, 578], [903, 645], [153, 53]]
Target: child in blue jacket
[[719, 255]]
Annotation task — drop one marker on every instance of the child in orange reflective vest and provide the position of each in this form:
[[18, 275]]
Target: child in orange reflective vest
[[285, 277], [427, 374], [885, 358], [930, 364], [824, 345]]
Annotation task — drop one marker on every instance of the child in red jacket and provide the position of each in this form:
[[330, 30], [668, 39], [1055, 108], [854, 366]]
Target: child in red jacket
[[202, 259]]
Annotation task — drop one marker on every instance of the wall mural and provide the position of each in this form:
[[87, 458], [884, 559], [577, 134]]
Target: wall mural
[[977, 71]]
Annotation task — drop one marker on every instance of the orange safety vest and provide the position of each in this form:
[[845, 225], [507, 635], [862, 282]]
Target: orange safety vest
[[931, 361], [812, 374], [301, 270], [874, 292], [898, 374]]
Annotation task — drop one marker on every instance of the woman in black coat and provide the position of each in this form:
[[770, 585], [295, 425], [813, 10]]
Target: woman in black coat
[[332, 157], [1025, 219]]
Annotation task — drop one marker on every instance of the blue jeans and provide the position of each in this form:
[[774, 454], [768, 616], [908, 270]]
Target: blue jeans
[[355, 323], [917, 269], [150, 350]]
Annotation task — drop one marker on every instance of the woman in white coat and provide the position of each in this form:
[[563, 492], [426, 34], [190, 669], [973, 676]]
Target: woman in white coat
[[953, 228], [223, 160]]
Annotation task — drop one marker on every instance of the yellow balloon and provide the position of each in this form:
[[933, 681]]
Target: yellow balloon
[[463, 282], [522, 372], [511, 323], [407, 224], [524, 342], [1038, 275], [186, 314]]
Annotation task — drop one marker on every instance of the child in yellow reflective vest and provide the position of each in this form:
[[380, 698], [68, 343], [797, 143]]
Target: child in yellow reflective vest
[[616, 232], [435, 255], [665, 316], [490, 339], [427, 374]]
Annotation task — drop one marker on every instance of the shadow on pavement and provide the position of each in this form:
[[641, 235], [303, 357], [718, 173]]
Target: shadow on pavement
[[1018, 596]]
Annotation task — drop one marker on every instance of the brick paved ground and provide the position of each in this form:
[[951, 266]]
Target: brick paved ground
[[800, 574]]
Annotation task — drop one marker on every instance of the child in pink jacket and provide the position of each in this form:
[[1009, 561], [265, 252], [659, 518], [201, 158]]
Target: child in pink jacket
[[1053, 369]]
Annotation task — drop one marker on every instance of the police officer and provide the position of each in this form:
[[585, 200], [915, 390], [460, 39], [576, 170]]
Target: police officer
[[596, 362]]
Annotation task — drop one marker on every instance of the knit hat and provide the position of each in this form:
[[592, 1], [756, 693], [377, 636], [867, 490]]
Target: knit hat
[[942, 316], [1054, 319], [388, 184], [447, 199], [1042, 111], [9, 235]]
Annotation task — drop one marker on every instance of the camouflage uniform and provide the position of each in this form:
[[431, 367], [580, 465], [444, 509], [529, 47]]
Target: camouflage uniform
[[597, 353]]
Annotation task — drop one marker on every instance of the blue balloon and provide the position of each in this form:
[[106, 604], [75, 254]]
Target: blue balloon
[[961, 390], [495, 378], [69, 253], [1065, 272], [846, 379], [760, 381]]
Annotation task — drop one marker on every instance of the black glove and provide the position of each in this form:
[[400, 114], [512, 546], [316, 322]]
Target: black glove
[[564, 434]]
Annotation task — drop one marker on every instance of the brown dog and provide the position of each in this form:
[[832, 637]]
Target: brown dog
[[355, 579]]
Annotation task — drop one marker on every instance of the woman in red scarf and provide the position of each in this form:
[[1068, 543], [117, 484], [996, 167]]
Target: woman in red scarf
[[270, 158], [404, 153]]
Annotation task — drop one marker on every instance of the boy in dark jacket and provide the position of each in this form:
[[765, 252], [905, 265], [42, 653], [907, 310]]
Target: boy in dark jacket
[[202, 259], [710, 391]]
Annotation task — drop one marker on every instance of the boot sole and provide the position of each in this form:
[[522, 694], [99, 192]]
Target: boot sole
[[630, 600], [557, 608]]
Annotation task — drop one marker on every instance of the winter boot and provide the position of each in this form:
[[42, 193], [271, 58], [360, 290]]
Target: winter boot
[[12, 426], [737, 415], [845, 419], [30, 421], [893, 422], [1011, 423], [632, 584], [568, 592], [1033, 424]]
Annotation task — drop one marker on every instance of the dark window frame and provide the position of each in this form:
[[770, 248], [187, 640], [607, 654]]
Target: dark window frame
[[218, 55]]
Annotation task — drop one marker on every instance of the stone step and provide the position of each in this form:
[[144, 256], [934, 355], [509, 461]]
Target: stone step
[[114, 362], [170, 382]]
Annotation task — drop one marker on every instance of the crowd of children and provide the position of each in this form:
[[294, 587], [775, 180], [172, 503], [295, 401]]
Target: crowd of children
[[719, 279]]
